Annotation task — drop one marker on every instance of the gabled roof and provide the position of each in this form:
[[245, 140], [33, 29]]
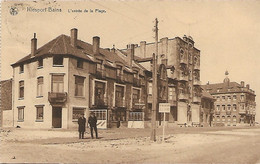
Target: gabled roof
[[62, 46]]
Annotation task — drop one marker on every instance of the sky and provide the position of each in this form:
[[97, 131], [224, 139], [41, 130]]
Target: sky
[[226, 32]]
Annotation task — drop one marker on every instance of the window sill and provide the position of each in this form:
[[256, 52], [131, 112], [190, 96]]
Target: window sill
[[39, 96], [80, 97], [40, 67], [38, 120], [20, 120], [20, 72], [58, 65], [21, 98]]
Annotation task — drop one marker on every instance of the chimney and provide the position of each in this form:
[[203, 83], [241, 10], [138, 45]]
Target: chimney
[[143, 49], [247, 86], [96, 43], [242, 83], [130, 53], [113, 49], [73, 37], [33, 45]]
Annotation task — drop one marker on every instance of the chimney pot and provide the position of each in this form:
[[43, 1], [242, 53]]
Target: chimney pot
[[143, 48], [247, 86], [74, 37], [96, 44], [242, 84], [33, 45]]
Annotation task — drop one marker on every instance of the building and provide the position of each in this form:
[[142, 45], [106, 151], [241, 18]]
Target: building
[[207, 109], [67, 77], [180, 54], [235, 103]]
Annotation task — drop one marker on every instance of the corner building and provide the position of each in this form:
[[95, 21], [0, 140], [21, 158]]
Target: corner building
[[185, 58], [235, 103]]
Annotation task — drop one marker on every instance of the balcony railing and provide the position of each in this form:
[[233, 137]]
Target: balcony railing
[[119, 103], [183, 77], [196, 82], [196, 99], [137, 82], [57, 97], [228, 112], [183, 96], [101, 102], [183, 60], [196, 67]]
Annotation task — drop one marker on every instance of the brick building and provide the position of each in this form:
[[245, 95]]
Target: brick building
[[235, 103]]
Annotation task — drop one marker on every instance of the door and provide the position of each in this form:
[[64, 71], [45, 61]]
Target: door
[[56, 117]]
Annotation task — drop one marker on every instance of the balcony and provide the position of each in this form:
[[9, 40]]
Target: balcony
[[183, 96], [119, 103], [217, 112], [196, 99], [196, 82], [57, 97], [183, 60], [196, 67], [101, 102], [136, 82], [183, 78], [137, 104], [228, 112]]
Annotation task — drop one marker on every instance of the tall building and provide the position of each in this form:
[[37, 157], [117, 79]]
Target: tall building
[[235, 103], [185, 58]]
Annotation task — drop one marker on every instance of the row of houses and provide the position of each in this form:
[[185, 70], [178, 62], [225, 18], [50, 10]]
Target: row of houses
[[67, 77]]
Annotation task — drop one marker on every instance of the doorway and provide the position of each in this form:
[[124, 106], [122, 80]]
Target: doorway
[[56, 117]]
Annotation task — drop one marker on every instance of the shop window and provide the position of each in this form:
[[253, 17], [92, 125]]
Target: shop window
[[77, 112]]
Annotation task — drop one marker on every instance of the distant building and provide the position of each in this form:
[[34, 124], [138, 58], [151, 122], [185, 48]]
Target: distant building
[[235, 103]]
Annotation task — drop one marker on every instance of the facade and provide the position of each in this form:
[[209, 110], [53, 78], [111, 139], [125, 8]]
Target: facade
[[235, 103], [185, 90], [66, 77], [207, 109]]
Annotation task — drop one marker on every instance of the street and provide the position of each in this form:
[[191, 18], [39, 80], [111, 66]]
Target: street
[[182, 145]]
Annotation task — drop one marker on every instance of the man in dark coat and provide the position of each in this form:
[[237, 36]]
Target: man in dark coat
[[92, 120], [82, 125]]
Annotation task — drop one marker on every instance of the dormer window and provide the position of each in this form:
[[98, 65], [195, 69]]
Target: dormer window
[[99, 65], [40, 63], [79, 63], [21, 68], [136, 74], [58, 61], [119, 70]]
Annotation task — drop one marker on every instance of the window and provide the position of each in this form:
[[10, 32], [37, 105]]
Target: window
[[223, 107], [218, 98], [40, 63], [218, 107], [39, 113], [170, 93], [21, 89], [243, 107], [242, 97], [234, 97], [234, 119], [228, 107], [223, 119], [79, 63], [21, 68], [223, 97], [57, 83], [136, 116], [76, 112], [58, 60], [136, 95], [234, 107], [20, 113], [99, 65], [100, 89], [218, 119], [136, 74], [79, 85], [229, 98], [39, 86], [150, 88], [119, 70]]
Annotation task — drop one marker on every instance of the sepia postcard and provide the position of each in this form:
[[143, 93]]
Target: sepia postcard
[[124, 81]]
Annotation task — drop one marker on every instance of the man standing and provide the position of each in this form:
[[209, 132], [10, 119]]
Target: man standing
[[82, 123], [92, 120]]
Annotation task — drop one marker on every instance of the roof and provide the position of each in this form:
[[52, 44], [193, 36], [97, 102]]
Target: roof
[[205, 94], [61, 46], [218, 88]]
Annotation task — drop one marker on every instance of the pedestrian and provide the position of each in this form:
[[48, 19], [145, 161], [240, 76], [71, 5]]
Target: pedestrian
[[82, 126], [92, 120]]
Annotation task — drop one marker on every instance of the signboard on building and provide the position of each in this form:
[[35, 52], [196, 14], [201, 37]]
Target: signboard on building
[[164, 107]]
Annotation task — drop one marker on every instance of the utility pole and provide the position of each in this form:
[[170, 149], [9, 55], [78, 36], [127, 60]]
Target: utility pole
[[155, 88]]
